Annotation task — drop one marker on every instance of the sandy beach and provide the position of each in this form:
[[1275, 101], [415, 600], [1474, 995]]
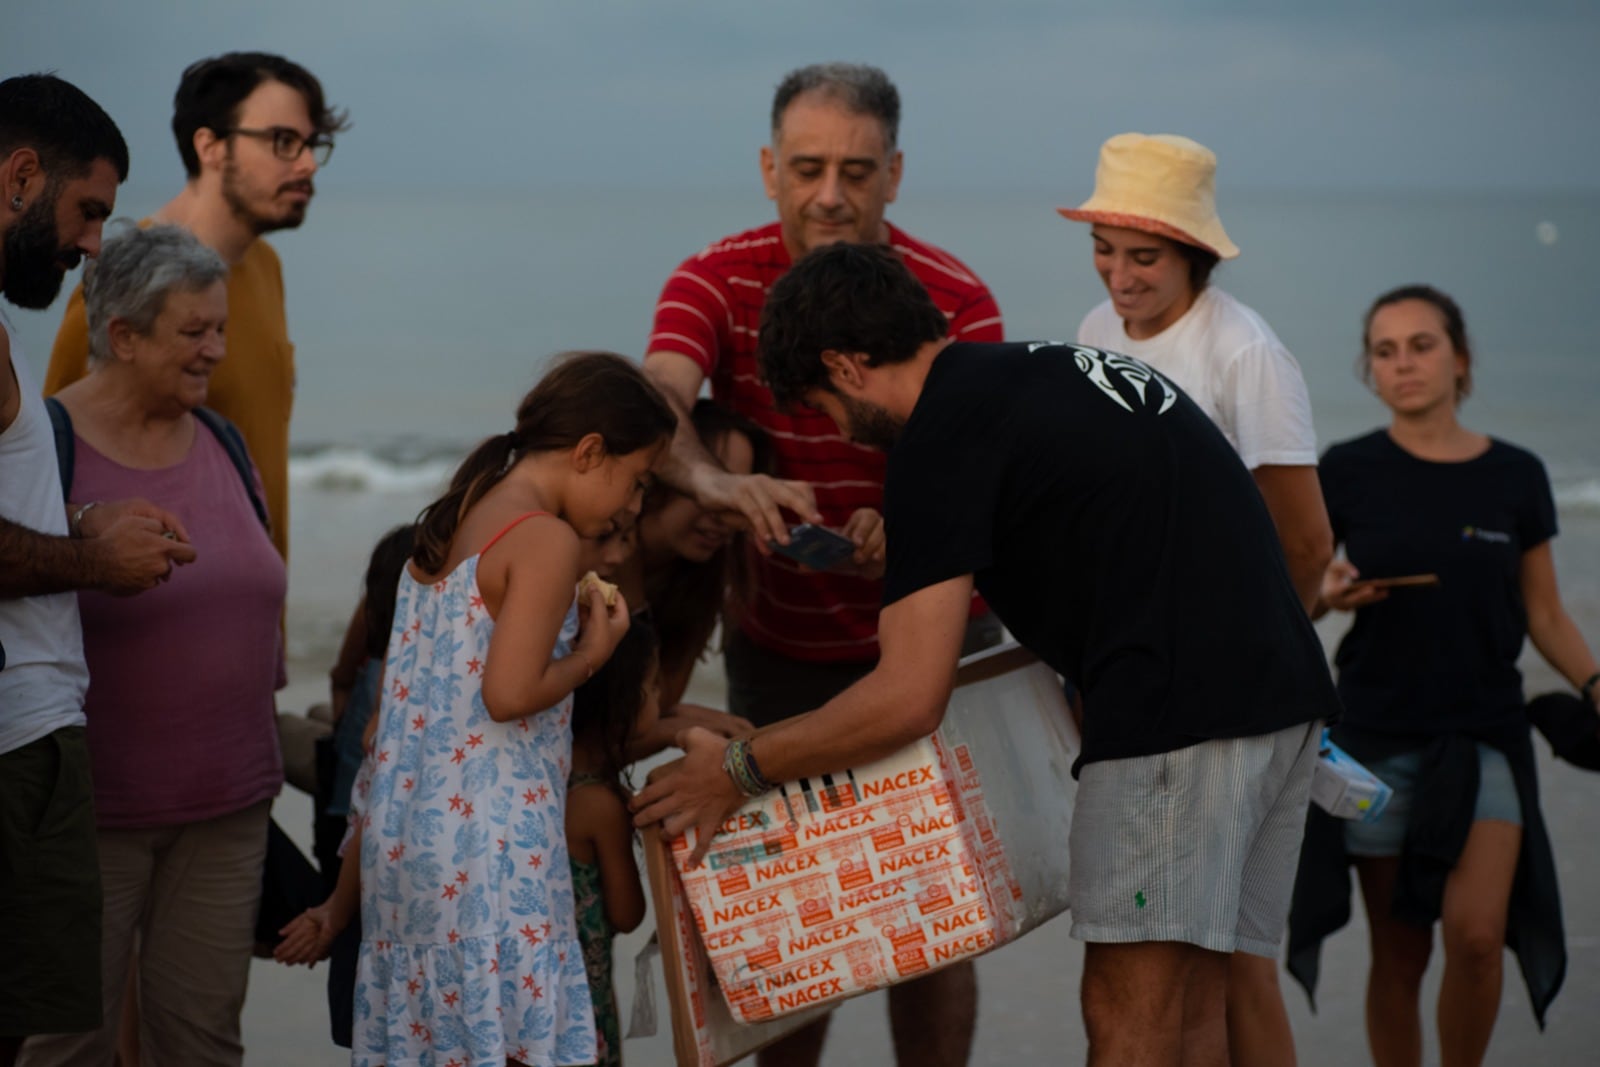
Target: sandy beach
[[1028, 990]]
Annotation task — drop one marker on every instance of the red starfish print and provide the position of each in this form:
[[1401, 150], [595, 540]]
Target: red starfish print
[[438, 587], [402, 693], [383, 755], [538, 993], [527, 981], [544, 792], [474, 665], [466, 812], [471, 618], [522, 1052], [412, 985], [455, 802], [408, 784], [536, 861], [461, 877], [501, 843], [450, 891], [529, 797], [405, 637], [396, 852], [453, 936], [460, 755], [418, 723], [530, 933], [416, 625], [416, 1028], [476, 601], [455, 1062], [494, 965], [546, 928], [474, 740]]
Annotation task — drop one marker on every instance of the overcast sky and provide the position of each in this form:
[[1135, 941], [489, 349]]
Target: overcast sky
[[1008, 94]]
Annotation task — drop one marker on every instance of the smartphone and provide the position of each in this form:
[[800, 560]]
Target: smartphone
[[1396, 582], [816, 547]]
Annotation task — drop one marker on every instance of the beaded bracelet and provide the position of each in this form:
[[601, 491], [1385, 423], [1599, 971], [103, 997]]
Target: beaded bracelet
[[1587, 688], [739, 763]]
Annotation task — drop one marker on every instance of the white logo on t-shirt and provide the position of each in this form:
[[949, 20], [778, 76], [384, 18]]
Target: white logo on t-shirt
[[1100, 366]]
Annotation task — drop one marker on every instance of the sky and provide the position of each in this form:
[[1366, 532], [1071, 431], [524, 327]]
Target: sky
[[1003, 95]]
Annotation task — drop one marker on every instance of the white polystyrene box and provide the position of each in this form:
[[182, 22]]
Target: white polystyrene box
[[833, 886]]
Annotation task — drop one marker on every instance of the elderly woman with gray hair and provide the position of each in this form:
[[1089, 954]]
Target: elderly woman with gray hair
[[180, 707]]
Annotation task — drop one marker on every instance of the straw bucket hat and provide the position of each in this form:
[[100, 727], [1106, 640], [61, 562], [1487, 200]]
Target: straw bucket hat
[[1160, 183]]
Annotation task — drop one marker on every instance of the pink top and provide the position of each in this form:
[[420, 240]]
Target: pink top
[[182, 722]]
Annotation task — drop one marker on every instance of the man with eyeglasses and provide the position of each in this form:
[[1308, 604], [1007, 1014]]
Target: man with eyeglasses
[[252, 129]]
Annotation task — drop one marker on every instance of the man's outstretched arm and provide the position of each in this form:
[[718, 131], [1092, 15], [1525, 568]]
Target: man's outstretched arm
[[903, 699], [688, 467], [125, 548]]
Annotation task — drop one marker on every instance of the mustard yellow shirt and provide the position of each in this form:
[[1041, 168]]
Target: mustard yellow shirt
[[253, 386]]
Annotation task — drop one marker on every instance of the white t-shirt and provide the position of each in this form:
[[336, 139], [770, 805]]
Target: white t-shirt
[[1230, 362], [44, 680]]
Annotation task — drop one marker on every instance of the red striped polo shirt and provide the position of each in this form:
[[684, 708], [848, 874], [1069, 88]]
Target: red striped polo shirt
[[710, 311]]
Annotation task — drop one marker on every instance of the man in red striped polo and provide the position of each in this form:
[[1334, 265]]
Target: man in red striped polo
[[832, 168]]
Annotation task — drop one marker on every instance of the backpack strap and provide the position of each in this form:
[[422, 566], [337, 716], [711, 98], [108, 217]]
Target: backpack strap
[[66, 446], [224, 431], [233, 444]]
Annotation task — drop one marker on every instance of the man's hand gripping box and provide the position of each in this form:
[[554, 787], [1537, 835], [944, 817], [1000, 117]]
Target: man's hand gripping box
[[830, 887]]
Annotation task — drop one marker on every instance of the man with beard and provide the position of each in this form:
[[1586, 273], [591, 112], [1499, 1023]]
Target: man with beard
[[1117, 534], [252, 129], [832, 169], [61, 160]]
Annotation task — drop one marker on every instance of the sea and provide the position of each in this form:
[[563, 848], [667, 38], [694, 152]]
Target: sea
[[420, 317]]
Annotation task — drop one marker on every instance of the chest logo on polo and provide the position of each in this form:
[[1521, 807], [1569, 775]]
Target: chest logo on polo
[[1130, 383], [1478, 533]]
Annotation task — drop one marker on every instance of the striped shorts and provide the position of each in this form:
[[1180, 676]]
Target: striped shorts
[[1199, 845]]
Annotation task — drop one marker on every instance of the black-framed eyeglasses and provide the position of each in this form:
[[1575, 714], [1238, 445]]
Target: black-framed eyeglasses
[[287, 144]]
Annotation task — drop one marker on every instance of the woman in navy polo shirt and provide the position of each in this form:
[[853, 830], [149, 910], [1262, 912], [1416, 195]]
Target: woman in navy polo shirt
[[1432, 695]]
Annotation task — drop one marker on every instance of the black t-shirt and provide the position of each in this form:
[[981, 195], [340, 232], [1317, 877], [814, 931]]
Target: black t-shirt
[[1432, 658], [1115, 532]]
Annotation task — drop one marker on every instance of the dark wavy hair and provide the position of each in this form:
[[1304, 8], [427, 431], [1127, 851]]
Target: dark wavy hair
[[1200, 261], [211, 90], [58, 120], [382, 583], [687, 598], [584, 393], [844, 298], [1455, 327], [606, 707]]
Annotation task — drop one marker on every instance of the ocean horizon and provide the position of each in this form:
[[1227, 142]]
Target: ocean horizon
[[420, 317]]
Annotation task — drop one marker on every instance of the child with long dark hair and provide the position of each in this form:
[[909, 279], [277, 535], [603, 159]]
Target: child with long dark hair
[[469, 941], [619, 702], [691, 570]]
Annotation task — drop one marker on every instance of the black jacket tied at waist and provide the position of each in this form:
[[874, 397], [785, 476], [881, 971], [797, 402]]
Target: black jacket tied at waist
[[1441, 817]]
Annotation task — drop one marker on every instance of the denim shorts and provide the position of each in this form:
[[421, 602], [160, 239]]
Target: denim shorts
[[1497, 799]]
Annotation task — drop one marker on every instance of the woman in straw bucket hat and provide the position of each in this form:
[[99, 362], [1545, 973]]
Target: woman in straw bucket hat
[[1157, 238]]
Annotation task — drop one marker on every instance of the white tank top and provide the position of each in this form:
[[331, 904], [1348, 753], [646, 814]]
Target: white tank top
[[44, 679]]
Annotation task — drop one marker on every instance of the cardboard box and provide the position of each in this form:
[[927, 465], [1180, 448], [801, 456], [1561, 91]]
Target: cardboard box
[[831, 887], [1344, 788]]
